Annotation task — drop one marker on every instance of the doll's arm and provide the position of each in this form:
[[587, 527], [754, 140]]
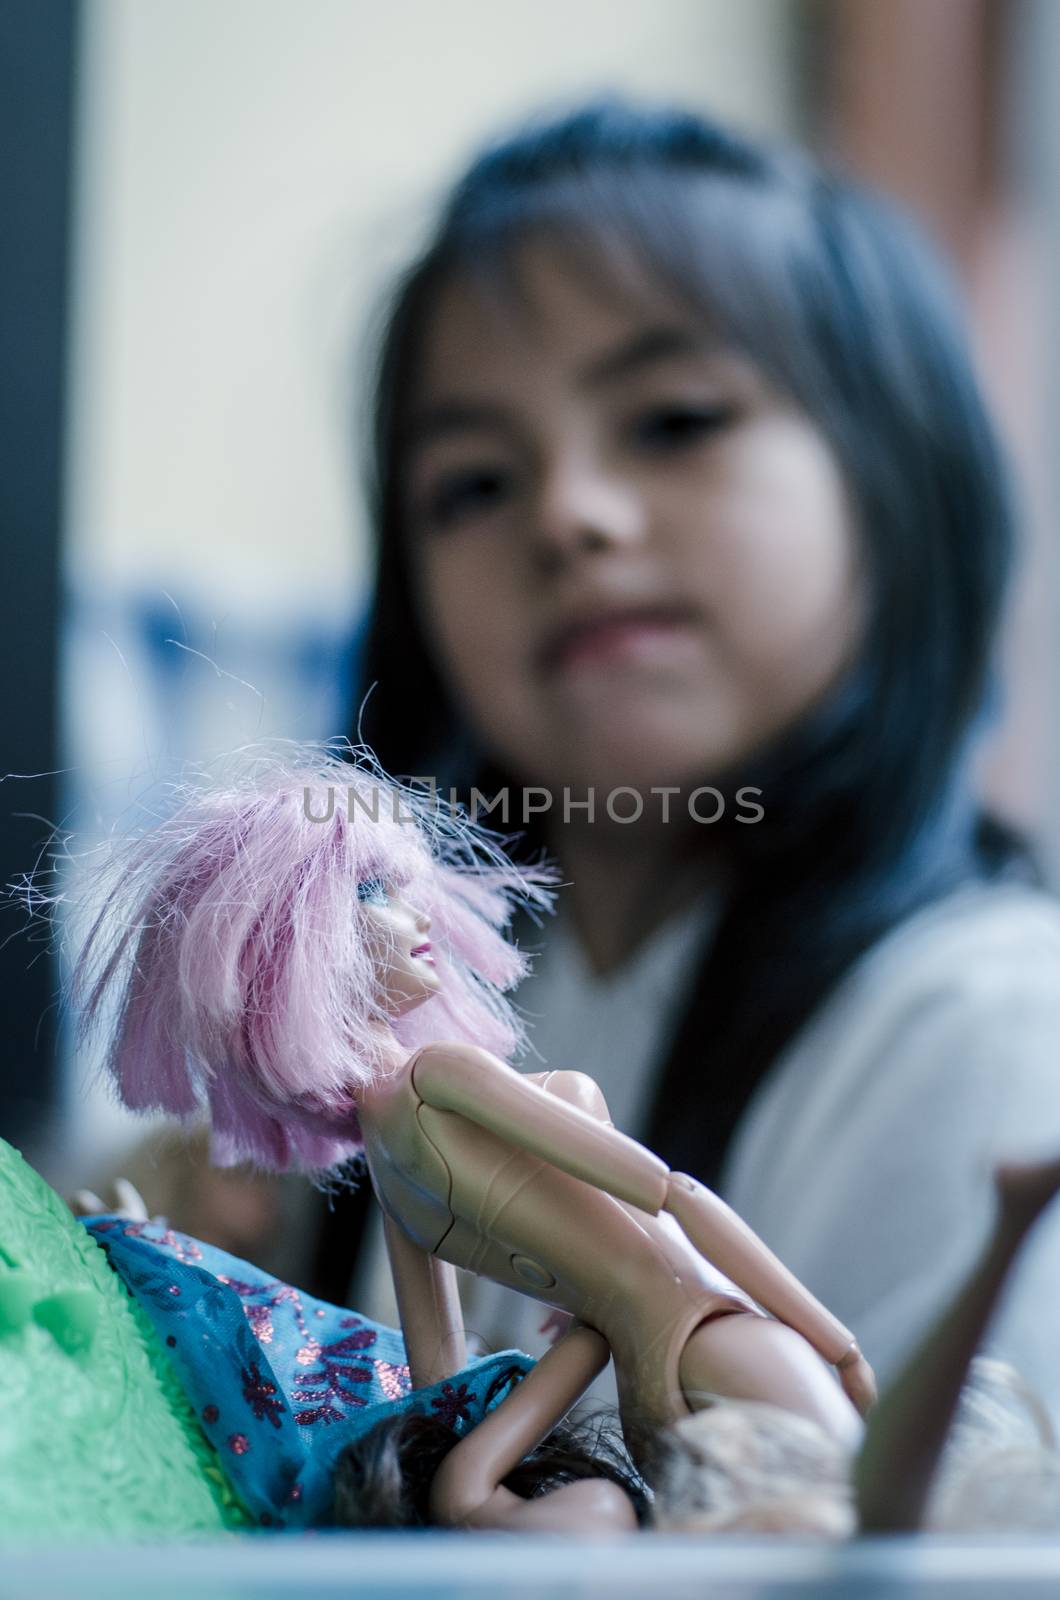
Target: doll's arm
[[468, 1487], [476, 1085], [727, 1241], [429, 1305], [487, 1091]]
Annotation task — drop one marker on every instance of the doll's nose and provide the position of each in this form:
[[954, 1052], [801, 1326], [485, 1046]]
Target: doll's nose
[[420, 917]]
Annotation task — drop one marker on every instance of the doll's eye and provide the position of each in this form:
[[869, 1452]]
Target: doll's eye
[[372, 891]]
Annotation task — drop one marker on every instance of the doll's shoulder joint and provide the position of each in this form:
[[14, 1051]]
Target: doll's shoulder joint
[[450, 1058]]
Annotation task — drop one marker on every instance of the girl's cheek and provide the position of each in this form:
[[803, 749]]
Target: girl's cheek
[[471, 608]]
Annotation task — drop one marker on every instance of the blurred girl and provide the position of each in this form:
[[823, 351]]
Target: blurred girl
[[682, 483]]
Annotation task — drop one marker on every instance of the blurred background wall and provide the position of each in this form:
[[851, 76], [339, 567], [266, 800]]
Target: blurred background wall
[[223, 189]]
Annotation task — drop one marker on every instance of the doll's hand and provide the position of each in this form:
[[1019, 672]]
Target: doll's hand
[[555, 1325], [131, 1203], [858, 1380]]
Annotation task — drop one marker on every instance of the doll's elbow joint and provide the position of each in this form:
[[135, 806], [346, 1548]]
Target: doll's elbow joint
[[456, 1493], [680, 1193]]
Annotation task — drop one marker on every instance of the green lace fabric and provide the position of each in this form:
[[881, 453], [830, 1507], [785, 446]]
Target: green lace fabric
[[96, 1435]]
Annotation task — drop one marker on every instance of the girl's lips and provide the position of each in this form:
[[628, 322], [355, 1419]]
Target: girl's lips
[[424, 952], [637, 635]]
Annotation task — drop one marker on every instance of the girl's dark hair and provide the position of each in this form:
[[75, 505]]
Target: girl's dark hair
[[384, 1479], [868, 805]]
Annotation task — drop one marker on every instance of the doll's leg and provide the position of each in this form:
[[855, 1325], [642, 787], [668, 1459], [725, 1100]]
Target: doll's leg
[[743, 1355], [468, 1491], [908, 1429]]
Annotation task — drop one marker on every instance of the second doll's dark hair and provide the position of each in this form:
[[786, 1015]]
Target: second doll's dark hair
[[868, 806], [383, 1480]]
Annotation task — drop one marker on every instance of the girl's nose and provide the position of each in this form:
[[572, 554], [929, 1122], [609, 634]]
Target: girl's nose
[[584, 511], [423, 921]]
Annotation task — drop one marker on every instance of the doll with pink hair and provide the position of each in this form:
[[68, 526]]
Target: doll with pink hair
[[316, 957], [233, 936]]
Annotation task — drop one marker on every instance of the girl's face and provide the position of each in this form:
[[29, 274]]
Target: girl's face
[[636, 559], [397, 936]]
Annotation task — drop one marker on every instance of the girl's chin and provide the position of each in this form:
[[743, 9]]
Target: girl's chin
[[642, 766], [674, 732]]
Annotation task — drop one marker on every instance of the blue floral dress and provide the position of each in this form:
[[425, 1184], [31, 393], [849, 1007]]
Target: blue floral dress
[[280, 1382]]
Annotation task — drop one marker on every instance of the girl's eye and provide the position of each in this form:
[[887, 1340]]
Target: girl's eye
[[676, 427], [462, 495], [372, 891]]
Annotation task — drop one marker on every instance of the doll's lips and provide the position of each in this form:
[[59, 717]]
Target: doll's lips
[[627, 633], [424, 952]]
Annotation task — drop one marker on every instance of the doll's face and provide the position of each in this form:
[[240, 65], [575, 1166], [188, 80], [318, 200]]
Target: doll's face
[[635, 559], [397, 936]]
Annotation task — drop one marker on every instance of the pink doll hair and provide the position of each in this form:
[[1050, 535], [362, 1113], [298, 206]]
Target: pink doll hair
[[229, 937]]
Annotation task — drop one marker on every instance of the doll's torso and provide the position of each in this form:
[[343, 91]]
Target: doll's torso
[[468, 1196]]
